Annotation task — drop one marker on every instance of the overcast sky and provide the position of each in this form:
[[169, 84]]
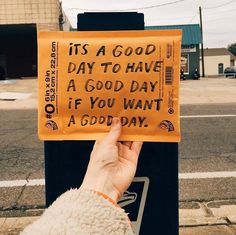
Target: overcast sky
[[219, 16]]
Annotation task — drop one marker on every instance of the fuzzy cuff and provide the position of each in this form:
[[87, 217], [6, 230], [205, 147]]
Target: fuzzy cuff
[[81, 212]]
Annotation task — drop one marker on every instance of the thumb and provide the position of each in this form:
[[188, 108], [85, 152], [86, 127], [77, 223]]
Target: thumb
[[115, 132]]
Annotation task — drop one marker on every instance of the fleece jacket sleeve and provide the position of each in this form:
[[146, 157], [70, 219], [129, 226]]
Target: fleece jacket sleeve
[[78, 212]]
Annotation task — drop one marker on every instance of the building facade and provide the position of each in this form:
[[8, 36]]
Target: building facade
[[19, 22], [216, 60], [43, 13], [190, 50]]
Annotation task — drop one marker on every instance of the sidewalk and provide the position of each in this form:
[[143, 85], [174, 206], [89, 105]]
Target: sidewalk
[[212, 218], [198, 218], [206, 91], [19, 93]]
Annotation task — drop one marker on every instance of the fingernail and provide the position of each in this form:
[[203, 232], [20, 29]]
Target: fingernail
[[115, 121]]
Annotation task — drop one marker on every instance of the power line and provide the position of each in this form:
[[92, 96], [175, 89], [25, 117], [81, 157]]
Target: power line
[[219, 12], [221, 5], [221, 19], [129, 9], [175, 18]]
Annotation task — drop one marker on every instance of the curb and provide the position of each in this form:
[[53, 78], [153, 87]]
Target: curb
[[207, 215], [13, 225], [204, 215]]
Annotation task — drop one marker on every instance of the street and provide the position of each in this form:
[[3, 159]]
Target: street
[[208, 145]]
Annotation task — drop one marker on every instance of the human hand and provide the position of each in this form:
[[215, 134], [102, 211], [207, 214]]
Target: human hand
[[112, 164]]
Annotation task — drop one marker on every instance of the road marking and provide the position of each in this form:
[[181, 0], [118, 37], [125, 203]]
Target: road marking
[[191, 175], [20, 183], [14, 95], [208, 116], [207, 175]]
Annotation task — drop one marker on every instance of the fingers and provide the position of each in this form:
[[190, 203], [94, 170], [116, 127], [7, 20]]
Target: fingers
[[96, 144], [127, 143], [136, 147], [132, 153], [115, 132]]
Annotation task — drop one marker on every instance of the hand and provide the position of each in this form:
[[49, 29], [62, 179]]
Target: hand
[[112, 164]]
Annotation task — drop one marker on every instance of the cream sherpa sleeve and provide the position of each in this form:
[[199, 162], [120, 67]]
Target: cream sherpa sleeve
[[78, 212]]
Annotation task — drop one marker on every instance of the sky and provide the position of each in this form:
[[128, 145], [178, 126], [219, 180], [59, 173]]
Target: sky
[[218, 16]]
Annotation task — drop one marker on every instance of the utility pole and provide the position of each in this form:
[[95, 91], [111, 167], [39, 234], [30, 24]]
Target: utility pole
[[202, 48]]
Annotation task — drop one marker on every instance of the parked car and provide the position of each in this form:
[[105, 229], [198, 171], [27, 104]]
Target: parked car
[[230, 71]]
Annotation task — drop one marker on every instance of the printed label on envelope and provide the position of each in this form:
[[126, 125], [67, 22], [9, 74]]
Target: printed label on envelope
[[87, 78]]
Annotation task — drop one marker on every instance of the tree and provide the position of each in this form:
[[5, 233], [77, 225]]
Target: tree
[[232, 48]]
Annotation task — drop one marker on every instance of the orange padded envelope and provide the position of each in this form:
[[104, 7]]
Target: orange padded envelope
[[87, 78]]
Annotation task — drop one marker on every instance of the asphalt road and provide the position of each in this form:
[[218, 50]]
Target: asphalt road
[[207, 137], [208, 145]]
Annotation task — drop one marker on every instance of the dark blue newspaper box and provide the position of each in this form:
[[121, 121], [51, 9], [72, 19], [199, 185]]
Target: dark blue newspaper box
[[152, 198]]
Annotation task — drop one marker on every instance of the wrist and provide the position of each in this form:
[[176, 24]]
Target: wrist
[[107, 198], [101, 186]]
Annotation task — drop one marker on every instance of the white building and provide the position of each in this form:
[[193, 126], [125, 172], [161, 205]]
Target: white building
[[216, 60]]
